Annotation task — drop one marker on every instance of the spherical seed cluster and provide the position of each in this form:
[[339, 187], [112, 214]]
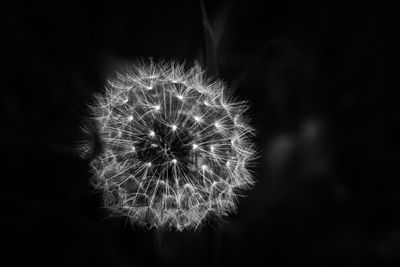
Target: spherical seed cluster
[[176, 148]]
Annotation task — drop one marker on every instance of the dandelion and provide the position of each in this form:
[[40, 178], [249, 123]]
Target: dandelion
[[176, 147]]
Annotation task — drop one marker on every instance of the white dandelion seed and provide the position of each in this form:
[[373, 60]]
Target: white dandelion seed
[[176, 148]]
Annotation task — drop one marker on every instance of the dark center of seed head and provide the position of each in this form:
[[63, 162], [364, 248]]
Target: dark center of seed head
[[166, 146]]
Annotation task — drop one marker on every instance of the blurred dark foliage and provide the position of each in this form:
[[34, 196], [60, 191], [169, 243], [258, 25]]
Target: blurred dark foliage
[[322, 79]]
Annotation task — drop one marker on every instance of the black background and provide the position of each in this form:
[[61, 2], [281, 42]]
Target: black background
[[322, 80]]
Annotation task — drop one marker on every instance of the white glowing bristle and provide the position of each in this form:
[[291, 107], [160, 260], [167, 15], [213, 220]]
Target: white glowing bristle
[[176, 147]]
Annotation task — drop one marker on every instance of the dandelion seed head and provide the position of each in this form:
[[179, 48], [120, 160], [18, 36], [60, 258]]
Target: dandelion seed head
[[176, 147]]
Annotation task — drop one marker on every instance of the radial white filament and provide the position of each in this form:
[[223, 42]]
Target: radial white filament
[[176, 148]]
